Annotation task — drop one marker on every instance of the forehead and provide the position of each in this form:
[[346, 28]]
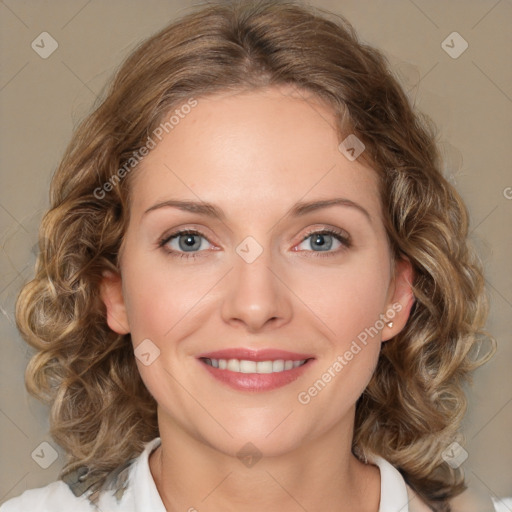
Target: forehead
[[253, 148]]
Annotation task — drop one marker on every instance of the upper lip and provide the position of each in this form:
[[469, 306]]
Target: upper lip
[[255, 355]]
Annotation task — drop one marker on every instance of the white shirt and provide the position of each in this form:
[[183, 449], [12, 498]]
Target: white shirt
[[141, 494]]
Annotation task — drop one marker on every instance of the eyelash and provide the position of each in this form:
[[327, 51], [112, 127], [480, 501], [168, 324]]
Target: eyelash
[[341, 236]]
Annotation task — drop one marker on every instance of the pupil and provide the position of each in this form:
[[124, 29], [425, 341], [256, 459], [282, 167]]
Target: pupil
[[322, 244], [189, 241]]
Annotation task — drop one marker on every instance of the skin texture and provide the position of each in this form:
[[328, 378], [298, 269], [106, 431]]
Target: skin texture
[[255, 154]]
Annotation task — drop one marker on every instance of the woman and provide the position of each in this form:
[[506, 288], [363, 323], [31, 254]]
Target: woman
[[254, 289]]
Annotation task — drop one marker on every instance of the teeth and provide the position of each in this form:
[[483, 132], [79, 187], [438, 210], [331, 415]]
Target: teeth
[[245, 366], [234, 365], [248, 366], [278, 366]]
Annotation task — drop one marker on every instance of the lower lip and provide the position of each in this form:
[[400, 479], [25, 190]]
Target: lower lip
[[256, 381]]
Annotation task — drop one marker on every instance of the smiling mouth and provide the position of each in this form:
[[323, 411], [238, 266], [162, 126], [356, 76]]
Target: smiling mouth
[[247, 366]]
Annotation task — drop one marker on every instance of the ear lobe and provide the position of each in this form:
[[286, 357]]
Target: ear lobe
[[111, 292], [402, 300]]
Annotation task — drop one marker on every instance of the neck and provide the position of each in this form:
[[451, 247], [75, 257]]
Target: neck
[[321, 474]]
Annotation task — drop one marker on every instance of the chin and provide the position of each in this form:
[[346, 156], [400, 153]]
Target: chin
[[249, 445]]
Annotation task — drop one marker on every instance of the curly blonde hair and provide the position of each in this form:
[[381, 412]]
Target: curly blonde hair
[[101, 412]]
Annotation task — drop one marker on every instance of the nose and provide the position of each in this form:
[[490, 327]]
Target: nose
[[256, 294]]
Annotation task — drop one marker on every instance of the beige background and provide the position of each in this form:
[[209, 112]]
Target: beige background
[[469, 97]]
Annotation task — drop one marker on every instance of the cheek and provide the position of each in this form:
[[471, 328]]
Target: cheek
[[349, 303], [348, 299], [160, 295]]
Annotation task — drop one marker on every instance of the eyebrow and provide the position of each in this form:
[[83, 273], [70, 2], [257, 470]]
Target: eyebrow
[[299, 209]]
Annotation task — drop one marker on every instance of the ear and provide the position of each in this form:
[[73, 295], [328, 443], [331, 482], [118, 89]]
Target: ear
[[401, 298], [111, 292]]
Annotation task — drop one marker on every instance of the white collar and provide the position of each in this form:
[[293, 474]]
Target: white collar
[[145, 495], [393, 491]]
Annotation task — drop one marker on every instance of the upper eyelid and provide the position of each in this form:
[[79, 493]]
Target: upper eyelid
[[174, 234], [334, 231]]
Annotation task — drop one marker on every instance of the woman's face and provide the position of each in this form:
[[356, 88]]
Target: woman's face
[[223, 319]]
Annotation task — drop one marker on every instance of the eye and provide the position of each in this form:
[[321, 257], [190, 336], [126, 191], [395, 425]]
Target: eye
[[323, 241], [188, 241]]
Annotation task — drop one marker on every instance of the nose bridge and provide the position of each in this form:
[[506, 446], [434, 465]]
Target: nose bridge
[[255, 294]]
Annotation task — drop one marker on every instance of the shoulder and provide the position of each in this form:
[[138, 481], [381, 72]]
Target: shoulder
[[74, 494], [397, 495], [468, 501], [128, 487], [473, 501], [416, 504], [54, 497]]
